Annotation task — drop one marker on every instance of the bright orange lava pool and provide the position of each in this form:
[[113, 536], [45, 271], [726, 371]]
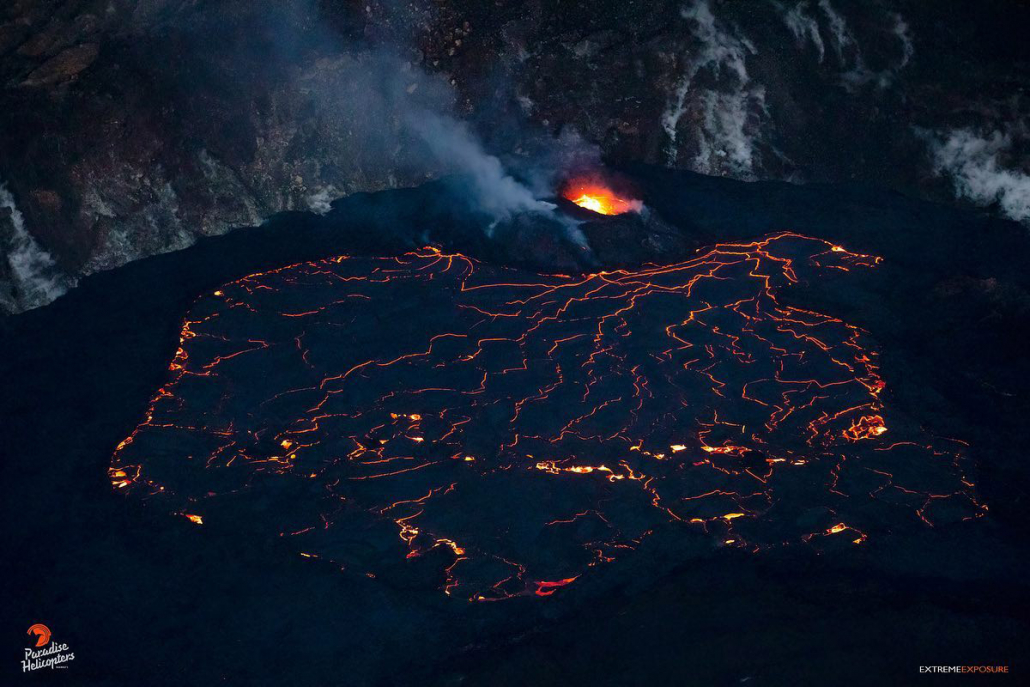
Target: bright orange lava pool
[[600, 199]]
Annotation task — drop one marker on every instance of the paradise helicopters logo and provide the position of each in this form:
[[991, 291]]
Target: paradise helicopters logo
[[44, 653]]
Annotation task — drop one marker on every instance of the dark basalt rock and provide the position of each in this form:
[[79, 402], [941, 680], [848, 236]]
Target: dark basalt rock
[[79, 372], [635, 238]]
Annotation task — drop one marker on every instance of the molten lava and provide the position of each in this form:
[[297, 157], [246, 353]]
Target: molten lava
[[436, 423], [600, 199]]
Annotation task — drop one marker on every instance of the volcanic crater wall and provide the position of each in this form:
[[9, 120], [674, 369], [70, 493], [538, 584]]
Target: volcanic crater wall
[[133, 128], [946, 308]]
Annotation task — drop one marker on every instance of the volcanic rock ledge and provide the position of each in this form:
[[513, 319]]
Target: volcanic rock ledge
[[130, 129]]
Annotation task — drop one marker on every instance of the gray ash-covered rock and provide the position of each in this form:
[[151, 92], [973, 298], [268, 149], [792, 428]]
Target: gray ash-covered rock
[[133, 128]]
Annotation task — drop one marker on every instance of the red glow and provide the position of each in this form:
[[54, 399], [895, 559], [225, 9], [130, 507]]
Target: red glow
[[534, 427], [546, 588], [597, 197]]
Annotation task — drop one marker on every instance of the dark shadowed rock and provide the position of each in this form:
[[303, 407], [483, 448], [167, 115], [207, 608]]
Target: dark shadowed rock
[[63, 66], [158, 123], [946, 307]]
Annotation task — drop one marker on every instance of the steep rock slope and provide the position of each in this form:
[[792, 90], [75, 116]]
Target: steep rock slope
[[130, 128]]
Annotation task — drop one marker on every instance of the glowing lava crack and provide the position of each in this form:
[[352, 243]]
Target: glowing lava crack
[[439, 423], [600, 199]]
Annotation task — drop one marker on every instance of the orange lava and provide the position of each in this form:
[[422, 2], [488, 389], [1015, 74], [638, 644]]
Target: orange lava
[[600, 199], [489, 433]]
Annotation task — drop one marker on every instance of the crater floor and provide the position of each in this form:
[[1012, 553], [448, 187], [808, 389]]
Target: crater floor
[[483, 432]]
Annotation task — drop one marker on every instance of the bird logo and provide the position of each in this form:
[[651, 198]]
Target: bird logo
[[42, 633]]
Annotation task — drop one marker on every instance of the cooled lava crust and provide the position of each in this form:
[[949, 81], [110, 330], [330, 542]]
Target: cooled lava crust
[[483, 432]]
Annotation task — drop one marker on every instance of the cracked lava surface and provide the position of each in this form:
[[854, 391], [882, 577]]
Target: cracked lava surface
[[441, 423]]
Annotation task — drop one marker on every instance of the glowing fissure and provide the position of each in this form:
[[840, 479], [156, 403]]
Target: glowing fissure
[[492, 433], [600, 199]]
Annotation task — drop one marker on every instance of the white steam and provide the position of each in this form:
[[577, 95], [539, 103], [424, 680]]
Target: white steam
[[904, 34], [810, 26], [805, 28], [400, 112], [33, 278], [729, 115], [494, 191], [840, 35], [974, 163], [320, 202], [725, 141]]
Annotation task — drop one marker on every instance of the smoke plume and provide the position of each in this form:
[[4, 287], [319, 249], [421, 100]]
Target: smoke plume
[[730, 114], [975, 164], [31, 276]]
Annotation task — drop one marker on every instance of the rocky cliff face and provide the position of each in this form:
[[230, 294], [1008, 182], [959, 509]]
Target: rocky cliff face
[[130, 128]]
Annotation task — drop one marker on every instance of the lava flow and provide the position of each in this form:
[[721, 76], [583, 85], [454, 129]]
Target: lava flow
[[438, 423], [598, 198]]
